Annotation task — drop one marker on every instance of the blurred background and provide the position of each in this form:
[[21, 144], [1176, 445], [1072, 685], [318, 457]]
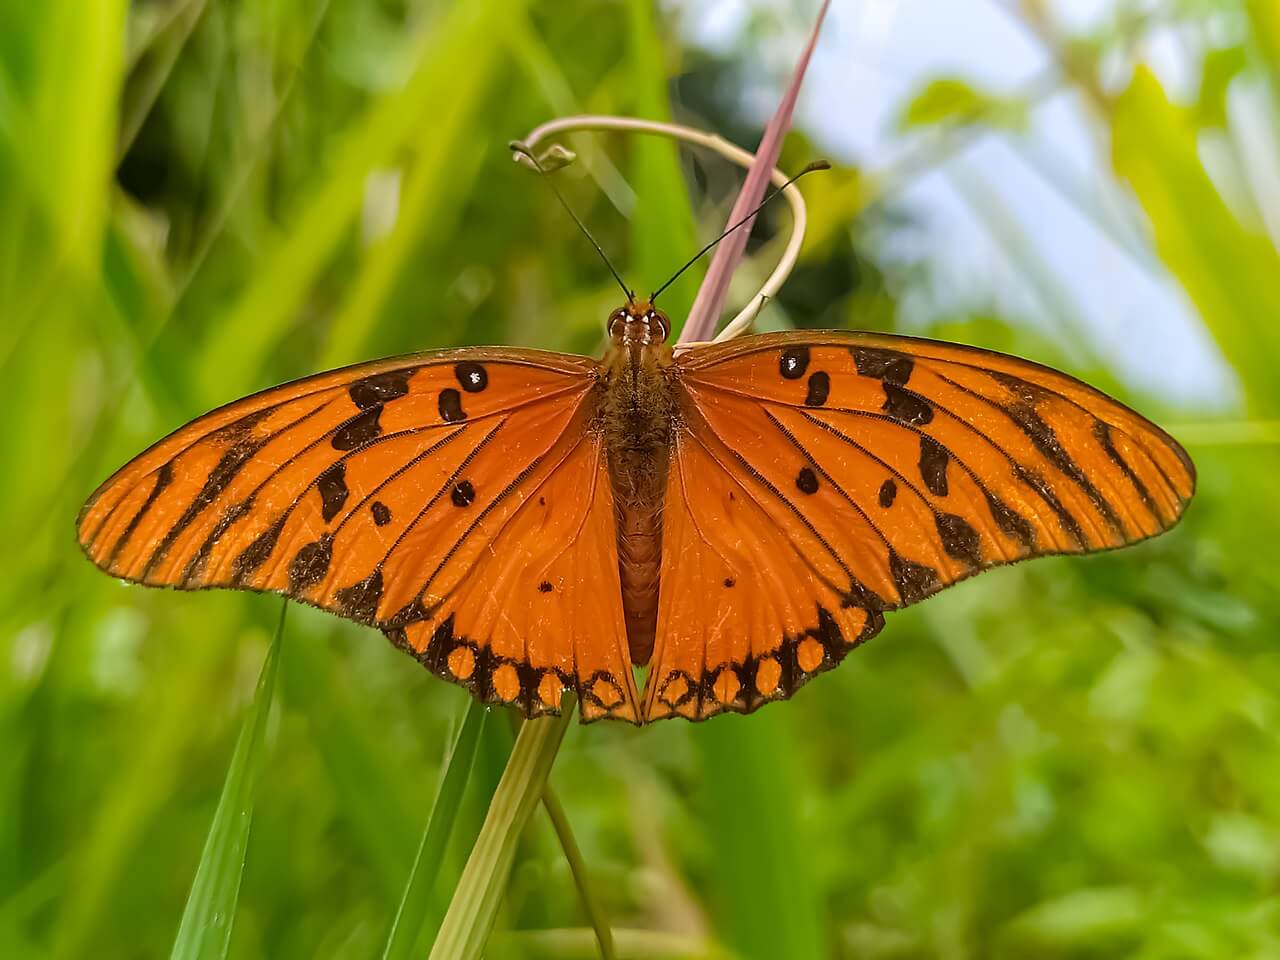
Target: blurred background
[[1069, 758]]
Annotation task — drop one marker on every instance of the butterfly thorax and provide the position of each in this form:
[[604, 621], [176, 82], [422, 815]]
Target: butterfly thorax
[[637, 409]]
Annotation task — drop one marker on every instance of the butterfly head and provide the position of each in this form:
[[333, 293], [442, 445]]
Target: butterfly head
[[639, 323]]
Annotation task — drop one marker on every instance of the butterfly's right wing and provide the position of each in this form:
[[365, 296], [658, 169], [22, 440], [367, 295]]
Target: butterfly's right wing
[[459, 501], [821, 479]]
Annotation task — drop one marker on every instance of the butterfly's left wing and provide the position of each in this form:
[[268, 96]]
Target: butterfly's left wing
[[458, 500], [820, 479]]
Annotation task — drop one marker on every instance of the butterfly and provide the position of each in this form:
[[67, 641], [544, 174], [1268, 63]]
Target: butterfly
[[737, 516]]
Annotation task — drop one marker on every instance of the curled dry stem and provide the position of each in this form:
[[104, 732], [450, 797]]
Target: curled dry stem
[[559, 156]]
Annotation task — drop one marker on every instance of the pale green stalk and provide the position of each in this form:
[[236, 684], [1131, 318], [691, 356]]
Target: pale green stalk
[[578, 867], [475, 901]]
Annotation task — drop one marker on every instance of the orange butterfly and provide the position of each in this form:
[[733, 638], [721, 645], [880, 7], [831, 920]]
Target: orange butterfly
[[738, 516]]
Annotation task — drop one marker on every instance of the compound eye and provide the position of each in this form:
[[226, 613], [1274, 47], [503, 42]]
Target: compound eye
[[618, 316]]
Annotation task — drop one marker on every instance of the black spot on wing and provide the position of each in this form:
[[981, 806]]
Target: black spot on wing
[[807, 480], [415, 611], [829, 634], [1023, 390], [729, 582], [381, 513], [861, 596], [545, 587], [164, 477], [1066, 519], [905, 407], [1011, 522], [310, 564], [1046, 441], [436, 655], [450, 405], [1102, 431], [472, 376], [359, 601], [819, 389], [959, 539], [914, 581], [794, 362], [933, 465], [358, 430], [195, 566], [255, 555], [228, 466], [380, 388], [463, 495], [332, 485], [888, 493], [887, 365]]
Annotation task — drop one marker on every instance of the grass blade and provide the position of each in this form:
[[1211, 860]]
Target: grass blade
[[590, 905], [766, 898], [458, 46], [662, 227], [411, 916], [206, 925], [1226, 268], [715, 286], [484, 879]]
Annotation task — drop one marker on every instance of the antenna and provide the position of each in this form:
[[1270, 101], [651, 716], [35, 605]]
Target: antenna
[[521, 151], [816, 165]]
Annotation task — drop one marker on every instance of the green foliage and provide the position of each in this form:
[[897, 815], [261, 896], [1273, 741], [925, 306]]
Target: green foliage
[[662, 229], [1070, 758], [1225, 265], [953, 101]]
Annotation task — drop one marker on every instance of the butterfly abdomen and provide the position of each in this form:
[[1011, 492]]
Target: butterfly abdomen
[[639, 559], [637, 410]]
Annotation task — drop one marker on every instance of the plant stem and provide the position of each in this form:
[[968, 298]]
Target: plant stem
[[577, 866], [729, 151], [475, 900]]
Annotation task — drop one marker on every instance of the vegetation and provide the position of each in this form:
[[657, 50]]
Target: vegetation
[[1070, 758]]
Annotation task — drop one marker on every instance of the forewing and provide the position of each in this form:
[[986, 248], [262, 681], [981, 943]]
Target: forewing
[[867, 472], [396, 494]]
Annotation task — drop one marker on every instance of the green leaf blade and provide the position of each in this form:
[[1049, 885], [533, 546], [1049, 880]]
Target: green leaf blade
[[205, 930], [414, 913]]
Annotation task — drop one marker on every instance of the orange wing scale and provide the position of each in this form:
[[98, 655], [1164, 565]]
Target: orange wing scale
[[822, 479], [403, 494]]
